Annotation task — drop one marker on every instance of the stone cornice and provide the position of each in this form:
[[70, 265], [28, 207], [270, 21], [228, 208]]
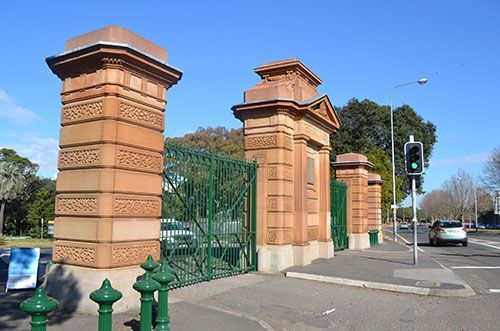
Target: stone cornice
[[102, 55]]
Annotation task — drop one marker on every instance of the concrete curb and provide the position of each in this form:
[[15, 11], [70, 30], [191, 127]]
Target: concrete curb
[[466, 292]]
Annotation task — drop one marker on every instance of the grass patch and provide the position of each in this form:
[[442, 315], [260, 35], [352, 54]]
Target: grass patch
[[6, 242]]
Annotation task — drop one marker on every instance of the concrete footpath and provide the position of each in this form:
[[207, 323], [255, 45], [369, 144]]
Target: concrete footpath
[[335, 293], [387, 266]]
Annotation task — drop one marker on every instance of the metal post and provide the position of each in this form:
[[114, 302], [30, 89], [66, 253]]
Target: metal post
[[164, 276], [41, 232], [414, 203], [147, 286], [105, 297], [394, 229], [414, 220], [38, 306], [475, 205]]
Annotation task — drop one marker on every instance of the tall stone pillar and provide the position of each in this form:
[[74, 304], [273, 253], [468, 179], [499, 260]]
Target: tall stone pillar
[[352, 169], [375, 204], [109, 185], [287, 125]]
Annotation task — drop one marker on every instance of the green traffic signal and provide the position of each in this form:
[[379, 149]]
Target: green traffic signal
[[414, 158]]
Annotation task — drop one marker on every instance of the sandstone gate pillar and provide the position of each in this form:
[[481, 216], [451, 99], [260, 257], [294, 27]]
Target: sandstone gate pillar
[[109, 186], [287, 126], [375, 204], [352, 169]]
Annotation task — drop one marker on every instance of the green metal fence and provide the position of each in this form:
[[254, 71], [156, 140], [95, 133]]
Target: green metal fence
[[338, 193], [208, 215]]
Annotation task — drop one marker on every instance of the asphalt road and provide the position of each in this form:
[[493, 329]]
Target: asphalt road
[[478, 264]]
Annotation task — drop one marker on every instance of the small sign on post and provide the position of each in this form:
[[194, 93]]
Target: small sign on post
[[23, 268]]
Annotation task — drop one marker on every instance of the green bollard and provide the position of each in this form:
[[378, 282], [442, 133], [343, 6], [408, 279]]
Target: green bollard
[[105, 297], [164, 276], [147, 286], [38, 306]]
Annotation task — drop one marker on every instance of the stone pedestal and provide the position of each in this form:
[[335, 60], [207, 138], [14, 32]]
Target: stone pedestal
[[287, 125], [352, 169], [375, 204], [109, 185]]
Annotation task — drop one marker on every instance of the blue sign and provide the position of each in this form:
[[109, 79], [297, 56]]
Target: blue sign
[[23, 268]]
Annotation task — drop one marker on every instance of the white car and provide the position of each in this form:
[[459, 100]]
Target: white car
[[404, 226], [175, 234]]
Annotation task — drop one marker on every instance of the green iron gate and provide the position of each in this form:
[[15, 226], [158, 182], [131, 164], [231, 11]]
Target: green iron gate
[[338, 193], [208, 215]]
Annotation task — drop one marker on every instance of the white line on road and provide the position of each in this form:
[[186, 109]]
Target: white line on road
[[494, 290], [475, 267], [420, 249], [474, 241]]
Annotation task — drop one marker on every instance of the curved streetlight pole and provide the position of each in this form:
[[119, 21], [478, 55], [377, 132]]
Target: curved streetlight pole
[[421, 81]]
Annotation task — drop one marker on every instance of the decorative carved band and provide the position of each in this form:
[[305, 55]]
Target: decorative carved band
[[141, 115], [278, 236], [312, 233], [270, 141], [280, 204], [280, 172], [87, 205], [312, 206], [81, 157], [82, 111], [71, 254], [139, 160], [136, 206], [135, 254]]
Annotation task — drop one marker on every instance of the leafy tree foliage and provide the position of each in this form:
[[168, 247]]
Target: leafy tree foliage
[[219, 140], [382, 165], [12, 183], [42, 207], [366, 127]]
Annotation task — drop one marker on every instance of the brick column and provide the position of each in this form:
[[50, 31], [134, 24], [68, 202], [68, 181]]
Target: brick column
[[375, 204], [109, 186], [352, 169], [286, 130]]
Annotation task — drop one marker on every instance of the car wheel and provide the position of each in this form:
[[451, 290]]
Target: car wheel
[[464, 244]]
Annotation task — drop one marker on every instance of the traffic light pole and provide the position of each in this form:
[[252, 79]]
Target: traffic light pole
[[414, 207], [414, 204]]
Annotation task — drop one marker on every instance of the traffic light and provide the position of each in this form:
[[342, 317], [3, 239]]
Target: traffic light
[[414, 158]]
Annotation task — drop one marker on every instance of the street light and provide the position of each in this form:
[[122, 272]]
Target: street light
[[421, 81]]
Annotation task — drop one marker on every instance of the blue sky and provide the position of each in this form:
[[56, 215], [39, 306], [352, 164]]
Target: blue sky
[[359, 49]]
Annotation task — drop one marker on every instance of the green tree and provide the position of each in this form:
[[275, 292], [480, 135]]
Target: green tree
[[382, 165], [42, 207], [219, 140], [366, 125], [16, 213], [12, 183]]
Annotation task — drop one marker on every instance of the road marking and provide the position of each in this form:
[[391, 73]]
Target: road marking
[[475, 241], [475, 267], [418, 248], [494, 290], [328, 312]]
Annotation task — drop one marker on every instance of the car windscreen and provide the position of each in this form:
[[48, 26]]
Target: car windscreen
[[450, 225]]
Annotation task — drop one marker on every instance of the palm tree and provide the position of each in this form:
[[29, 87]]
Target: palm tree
[[12, 183]]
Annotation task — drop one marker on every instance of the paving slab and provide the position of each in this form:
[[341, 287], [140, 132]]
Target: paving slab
[[388, 266]]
